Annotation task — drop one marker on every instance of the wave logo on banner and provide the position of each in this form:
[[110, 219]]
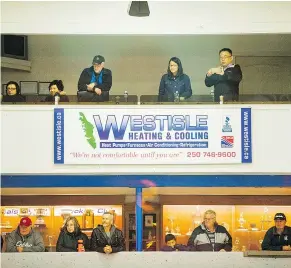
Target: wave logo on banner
[[227, 141]]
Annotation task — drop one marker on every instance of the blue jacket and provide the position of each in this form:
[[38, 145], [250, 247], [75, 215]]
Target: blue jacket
[[169, 85]]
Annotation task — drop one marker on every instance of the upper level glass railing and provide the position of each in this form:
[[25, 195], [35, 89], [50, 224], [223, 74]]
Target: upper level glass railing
[[89, 99]]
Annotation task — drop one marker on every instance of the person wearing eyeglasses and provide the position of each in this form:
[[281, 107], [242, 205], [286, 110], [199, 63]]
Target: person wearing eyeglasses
[[225, 78], [210, 236], [13, 93], [278, 237], [95, 82]]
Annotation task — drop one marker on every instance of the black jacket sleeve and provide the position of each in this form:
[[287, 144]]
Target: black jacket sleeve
[[61, 247], [188, 90], [84, 80], [211, 80], [266, 245], [121, 243], [228, 244], [191, 246], [231, 74], [107, 81], [86, 242], [94, 243], [162, 89]]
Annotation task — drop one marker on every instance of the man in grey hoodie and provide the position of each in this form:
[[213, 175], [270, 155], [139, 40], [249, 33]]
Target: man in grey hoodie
[[24, 238]]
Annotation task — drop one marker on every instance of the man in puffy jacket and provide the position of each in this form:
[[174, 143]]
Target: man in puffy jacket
[[210, 236], [24, 238], [106, 238], [278, 237]]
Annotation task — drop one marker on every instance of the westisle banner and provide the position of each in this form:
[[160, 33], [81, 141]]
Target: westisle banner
[[141, 135]]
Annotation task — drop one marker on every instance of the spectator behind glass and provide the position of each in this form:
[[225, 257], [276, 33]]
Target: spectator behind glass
[[210, 236], [13, 93], [96, 81], [24, 238], [278, 237], [69, 236], [106, 238], [225, 78], [171, 244], [56, 87], [174, 80]]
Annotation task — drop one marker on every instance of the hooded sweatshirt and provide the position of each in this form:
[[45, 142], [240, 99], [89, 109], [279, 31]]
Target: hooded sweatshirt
[[32, 242]]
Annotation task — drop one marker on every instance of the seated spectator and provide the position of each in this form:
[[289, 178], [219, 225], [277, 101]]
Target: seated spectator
[[278, 237], [13, 93], [69, 236], [95, 82], [106, 238], [171, 244], [210, 236], [57, 87], [24, 238]]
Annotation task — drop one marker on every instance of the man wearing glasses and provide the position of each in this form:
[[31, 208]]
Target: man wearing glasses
[[278, 237], [95, 81], [225, 78], [210, 236]]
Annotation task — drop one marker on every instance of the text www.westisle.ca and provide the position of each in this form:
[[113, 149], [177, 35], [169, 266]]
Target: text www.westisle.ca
[[59, 136], [246, 139]]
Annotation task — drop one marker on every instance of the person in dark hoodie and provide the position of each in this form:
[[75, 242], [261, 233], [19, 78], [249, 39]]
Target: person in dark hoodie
[[106, 238], [278, 237], [171, 244], [56, 87], [210, 236], [24, 238], [225, 78], [69, 236], [13, 93], [174, 80], [95, 82]]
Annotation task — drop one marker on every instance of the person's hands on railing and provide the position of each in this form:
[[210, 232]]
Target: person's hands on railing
[[91, 86], [98, 91]]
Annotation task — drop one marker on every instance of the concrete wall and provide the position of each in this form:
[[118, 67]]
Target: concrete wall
[[140, 260]]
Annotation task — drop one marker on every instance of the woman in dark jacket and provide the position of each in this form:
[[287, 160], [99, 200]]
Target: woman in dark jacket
[[13, 93], [69, 236], [175, 80], [56, 87]]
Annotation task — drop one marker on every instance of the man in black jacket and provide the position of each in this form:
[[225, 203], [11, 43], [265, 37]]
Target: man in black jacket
[[225, 78], [106, 238], [95, 82], [278, 237]]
